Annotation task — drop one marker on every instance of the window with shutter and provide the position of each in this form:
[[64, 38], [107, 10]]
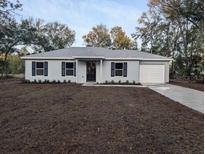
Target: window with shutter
[[112, 69], [118, 69], [125, 70], [63, 68], [33, 68], [45, 68], [68, 68], [74, 67], [39, 68]]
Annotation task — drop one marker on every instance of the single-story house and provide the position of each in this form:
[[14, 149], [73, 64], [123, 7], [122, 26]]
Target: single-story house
[[90, 64]]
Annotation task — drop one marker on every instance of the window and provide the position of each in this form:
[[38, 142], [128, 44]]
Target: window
[[69, 69], [39, 68], [118, 69]]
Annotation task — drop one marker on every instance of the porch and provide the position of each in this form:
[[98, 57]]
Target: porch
[[89, 69]]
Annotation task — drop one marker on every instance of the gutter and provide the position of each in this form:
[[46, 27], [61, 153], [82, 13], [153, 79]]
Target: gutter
[[93, 57]]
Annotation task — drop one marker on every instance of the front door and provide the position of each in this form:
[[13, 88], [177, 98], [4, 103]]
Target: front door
[[91, 71]]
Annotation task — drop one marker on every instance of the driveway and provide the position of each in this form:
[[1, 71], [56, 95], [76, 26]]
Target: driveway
[[189, 97]]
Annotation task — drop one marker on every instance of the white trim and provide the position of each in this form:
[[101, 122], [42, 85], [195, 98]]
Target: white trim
[[101, 71], [89, 57], [39, 68], [69, 69], [148, 59], [117, 69], [48, 58], [76, 71]]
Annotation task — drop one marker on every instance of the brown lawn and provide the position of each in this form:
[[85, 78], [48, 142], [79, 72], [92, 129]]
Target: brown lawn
[[66, 118], [189, 84]]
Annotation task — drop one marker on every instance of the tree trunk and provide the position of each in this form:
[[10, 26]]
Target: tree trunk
[[2, 73], [5, 65], [184, 28]]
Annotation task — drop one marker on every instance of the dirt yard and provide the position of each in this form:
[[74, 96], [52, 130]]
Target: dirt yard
[[188, 84], [65, 118]]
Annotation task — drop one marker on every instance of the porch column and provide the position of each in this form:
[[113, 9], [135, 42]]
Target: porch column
[[76, 69], [101, 71]]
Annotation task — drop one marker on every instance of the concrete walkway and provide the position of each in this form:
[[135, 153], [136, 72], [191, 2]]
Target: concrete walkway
[[93, 84], [189, 97]]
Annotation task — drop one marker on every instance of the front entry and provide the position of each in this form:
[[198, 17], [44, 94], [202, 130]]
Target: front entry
[[91, 71]]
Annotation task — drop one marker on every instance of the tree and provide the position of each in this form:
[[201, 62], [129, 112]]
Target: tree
[[9, 31], [98, 37], [174, 28], [119, 39], [8, 8], [134, 45], [193, 11], [46, 37], [16, 65], [40, 36], [59, 36], [146, 32]]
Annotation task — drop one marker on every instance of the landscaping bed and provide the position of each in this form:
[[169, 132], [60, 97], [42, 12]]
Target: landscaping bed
[[69, 118]]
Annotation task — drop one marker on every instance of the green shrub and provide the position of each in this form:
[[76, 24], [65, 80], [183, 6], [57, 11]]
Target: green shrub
[[69, 81], [15, 64], [64, 81], [26, 81], [35, 81], [106, 81], [39, 81], [46, 81], [59, 81], [133, 82], [119, 81], [112, 81], [54, 81], [127, 81]]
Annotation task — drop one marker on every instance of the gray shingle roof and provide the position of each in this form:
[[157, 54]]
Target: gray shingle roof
[[90, 52]]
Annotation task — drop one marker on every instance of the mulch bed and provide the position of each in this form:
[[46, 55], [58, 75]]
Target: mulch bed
[[63, 118], [189, 84]]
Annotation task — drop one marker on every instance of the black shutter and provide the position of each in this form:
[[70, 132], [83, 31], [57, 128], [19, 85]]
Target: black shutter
[[33, 68], [112, 69], [63, 68], [45, 68], [125, 70], [74, 68]]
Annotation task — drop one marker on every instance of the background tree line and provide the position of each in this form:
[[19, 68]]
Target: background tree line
[[173, 28], [116, 38], [36, 34]]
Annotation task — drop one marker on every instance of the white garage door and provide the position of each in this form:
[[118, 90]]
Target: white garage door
[[152, 73]]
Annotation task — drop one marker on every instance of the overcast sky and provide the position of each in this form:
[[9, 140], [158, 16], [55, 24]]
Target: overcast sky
[[82, 15]]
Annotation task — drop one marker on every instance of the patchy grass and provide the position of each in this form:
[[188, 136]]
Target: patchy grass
[[63, 118]]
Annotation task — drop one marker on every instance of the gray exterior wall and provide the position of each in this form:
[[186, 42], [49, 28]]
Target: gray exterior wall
[[132, 71], [54, 71]]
